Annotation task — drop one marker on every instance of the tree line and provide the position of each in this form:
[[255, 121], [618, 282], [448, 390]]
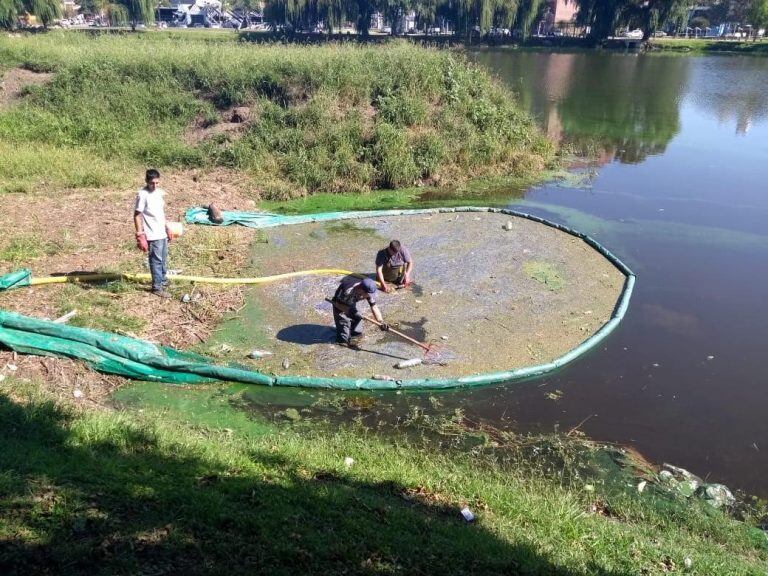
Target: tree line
[[466, 18]]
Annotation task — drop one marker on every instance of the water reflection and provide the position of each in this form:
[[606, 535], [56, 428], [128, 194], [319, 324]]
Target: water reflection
[[735, 93], [616, 106]]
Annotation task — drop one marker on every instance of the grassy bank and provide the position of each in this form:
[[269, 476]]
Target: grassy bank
[[296, 119], [708, 45], [106, 493]]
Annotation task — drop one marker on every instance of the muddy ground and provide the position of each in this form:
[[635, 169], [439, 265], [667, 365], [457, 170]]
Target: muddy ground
[[490, 298]]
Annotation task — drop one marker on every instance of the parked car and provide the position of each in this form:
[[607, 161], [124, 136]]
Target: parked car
[[635, 34]]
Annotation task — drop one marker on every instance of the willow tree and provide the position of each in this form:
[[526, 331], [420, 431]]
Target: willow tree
[[528, 12], [471, 16], [134, 11], [9, 13], [758, 15], [305, 13], [605, 16], [46, 11], [602, 16]]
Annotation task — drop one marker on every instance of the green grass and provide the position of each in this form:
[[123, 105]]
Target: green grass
[[25, 247], [106, 493], [330, 118], [710, 45], [97, 308]]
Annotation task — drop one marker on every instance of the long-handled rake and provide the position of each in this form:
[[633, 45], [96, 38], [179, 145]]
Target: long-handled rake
[[431, 353]]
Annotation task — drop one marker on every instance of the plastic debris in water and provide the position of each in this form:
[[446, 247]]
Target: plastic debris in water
[[256, 354], [467, 513], [409, 363], [286, 364]]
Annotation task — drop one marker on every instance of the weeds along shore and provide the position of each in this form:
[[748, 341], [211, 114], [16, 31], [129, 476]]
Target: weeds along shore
[[295, 119]]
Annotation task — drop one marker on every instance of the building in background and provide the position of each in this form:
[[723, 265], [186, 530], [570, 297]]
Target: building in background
[[559, 15]]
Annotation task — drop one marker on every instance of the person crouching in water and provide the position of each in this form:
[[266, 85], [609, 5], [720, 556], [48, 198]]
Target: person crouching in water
[[348, 319], [394, 264]]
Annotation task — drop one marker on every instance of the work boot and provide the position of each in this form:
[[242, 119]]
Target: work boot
[[161, 293], [352, 345]]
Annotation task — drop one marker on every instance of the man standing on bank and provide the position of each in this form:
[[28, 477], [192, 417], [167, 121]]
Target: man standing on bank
[[394, 264], [348, 319], [151, 235]]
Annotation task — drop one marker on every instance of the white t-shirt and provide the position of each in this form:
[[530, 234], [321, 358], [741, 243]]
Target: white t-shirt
[[152, 208]]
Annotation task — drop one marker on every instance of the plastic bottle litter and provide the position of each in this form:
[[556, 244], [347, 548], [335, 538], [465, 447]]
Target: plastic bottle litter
[[409, 363], [256, 354], [467, 514]]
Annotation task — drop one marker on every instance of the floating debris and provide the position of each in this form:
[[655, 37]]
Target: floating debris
[[256, 354], [409, 363], [65, 318]]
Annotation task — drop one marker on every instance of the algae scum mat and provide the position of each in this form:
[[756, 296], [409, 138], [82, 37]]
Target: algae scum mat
[[493, 292]]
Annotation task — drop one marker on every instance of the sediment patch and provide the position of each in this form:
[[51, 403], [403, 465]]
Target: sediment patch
[[492, 292]]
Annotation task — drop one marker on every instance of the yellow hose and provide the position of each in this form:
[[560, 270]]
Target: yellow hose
[[75, 278]]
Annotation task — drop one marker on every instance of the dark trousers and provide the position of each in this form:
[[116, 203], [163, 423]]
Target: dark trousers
[[394, 274], [158, 262], [347, 324]]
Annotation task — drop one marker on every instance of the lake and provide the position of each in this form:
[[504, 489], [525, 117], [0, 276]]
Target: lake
[[678, 189]]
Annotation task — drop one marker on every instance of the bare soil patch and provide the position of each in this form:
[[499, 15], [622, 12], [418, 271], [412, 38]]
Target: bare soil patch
[[492, 299], [232, 123], [13, 82], [93, 230]]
